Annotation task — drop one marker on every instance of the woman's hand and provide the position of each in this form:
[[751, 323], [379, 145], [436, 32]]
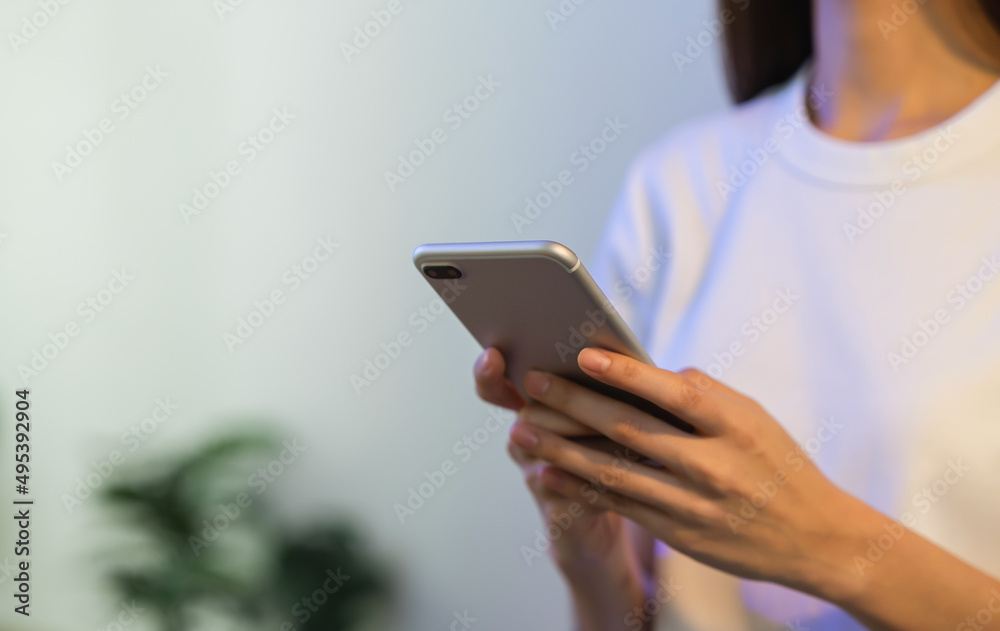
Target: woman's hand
[[593, 534], [738, 495], [595, 549], [491, 384]]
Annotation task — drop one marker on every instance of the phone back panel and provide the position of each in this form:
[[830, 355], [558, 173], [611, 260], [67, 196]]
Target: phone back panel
[[535, 302]]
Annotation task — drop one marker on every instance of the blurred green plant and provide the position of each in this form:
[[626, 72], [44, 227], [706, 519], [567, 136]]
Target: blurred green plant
[[189, 551]]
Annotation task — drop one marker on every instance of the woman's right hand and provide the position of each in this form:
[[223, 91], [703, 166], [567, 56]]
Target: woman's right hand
[[594, 548]]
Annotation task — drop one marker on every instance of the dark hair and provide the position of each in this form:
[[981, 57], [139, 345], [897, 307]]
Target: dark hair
[[767, 41]]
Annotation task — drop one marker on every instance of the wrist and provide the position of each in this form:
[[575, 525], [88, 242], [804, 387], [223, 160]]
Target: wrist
[[836, 566], [610, 602], [604, 597]]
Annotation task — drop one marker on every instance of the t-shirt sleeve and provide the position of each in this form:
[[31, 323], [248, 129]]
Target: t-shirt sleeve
[[632, 257]]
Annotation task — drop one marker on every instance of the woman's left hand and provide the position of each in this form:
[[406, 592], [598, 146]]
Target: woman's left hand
[[738, 495]]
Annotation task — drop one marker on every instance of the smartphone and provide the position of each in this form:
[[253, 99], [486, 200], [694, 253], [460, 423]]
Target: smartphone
[[534, 302]]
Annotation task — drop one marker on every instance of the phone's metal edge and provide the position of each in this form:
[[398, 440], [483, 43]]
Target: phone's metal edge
[[615, 319], [551, 250]]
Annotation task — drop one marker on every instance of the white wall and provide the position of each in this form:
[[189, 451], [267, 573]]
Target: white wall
[[323, 175]]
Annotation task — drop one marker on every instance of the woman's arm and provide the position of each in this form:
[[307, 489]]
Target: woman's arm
[[901, 581], [607, 596], [741, 496]]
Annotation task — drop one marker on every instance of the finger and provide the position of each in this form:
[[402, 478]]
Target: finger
[[640, 513], [491, 384], [554, 421], [708, 383], [572, 487], [518, 455], [535, 470], [655, 487], [567, 487], [701, 380], [671, 391], [619, 421], [563, 482]]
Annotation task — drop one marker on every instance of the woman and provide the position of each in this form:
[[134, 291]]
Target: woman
[[834, 271]]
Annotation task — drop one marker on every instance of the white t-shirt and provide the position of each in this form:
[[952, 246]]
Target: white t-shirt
[[851, 288]]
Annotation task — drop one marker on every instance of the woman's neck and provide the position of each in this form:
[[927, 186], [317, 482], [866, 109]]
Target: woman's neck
[[893, 74]]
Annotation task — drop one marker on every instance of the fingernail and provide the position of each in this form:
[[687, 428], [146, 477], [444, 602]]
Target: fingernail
[[536, 383], [552, 477], [482, 367], [524, 436], [594, 360]]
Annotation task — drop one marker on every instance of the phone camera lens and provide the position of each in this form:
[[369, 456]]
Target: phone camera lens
[[442, 271]]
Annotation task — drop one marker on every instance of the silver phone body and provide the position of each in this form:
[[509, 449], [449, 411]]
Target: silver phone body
[[536, 303]]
